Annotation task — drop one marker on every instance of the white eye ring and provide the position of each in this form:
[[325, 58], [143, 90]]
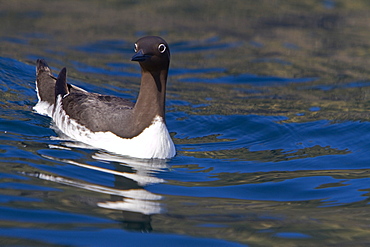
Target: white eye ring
[[162, 48], [135, 48]]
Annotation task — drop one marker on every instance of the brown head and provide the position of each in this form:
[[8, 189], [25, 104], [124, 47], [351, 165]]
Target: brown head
[[153, 54]]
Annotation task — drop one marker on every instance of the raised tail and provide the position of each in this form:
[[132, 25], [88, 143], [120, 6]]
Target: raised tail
[[48, 87], [61, 87], [42, 68], [45, 88]]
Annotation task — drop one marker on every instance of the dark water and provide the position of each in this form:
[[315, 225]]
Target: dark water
[[273, 146]]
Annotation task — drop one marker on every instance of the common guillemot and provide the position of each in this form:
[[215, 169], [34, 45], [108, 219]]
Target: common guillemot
[[108, 122]]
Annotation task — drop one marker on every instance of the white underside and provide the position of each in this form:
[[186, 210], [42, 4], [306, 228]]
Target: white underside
[[42, 107], [153, 142]]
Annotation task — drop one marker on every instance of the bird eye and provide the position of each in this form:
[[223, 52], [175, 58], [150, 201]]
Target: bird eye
[[162, 48], [135, 48]]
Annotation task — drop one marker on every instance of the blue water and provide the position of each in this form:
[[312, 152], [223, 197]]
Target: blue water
[[250, 174]]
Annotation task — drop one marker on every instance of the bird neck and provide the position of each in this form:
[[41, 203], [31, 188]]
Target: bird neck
[[152, 96]]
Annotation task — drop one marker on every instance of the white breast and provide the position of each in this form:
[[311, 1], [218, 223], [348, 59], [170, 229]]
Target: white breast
[[153, 142]]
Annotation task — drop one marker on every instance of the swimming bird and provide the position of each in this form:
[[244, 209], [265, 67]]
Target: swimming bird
[[109, 122]]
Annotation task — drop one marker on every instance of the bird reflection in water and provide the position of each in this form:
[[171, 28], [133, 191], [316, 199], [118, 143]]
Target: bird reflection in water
[[138, 207], [128, 194]]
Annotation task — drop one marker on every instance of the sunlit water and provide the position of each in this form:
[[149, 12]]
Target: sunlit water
[[236, 178]]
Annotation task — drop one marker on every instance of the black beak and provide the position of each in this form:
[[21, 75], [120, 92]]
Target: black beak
[[140, 56]]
